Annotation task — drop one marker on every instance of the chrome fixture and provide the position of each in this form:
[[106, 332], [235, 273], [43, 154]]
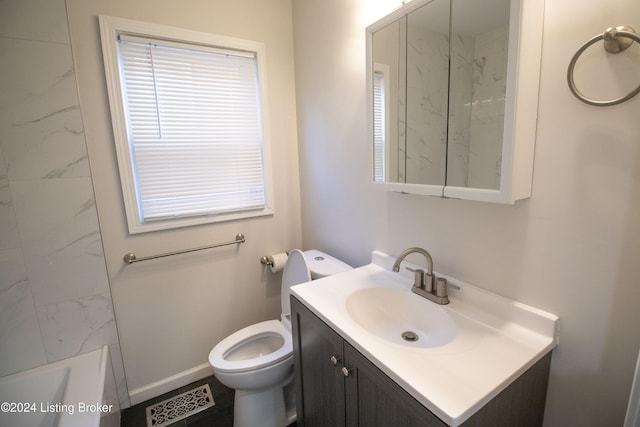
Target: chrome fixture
[[615, 40], [423, 282], [267, 260], [130, 258], [409, 336]]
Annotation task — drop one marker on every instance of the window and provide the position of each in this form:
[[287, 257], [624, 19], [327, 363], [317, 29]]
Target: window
[[189, 118]]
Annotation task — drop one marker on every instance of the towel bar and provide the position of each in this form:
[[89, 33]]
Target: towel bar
[[130, 258]]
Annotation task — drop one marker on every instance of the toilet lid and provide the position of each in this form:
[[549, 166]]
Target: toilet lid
[[296, 271]]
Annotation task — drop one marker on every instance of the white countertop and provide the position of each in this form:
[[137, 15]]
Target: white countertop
[[497, 339]]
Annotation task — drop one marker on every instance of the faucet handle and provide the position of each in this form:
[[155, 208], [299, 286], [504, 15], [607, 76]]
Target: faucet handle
[[441, 287], [418, 280]]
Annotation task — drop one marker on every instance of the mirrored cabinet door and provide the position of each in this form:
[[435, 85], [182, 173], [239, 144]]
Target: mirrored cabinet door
[[478, 85], [387, 104], [427, 83], [447, 115]]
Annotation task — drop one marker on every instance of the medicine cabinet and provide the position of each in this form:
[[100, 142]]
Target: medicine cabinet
[[452, 89]]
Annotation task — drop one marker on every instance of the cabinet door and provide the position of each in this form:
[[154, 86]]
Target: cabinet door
[[375, 400], [320, 383]]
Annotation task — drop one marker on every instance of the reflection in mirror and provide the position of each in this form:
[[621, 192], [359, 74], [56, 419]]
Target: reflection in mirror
[[478, 82], [386, 101], [427, 83], [438, 107]]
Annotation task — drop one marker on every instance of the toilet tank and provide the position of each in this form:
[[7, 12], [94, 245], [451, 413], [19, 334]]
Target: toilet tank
[[302, 266], [323, 265]]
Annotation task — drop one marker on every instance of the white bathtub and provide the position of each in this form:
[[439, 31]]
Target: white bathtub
[[67, 393]]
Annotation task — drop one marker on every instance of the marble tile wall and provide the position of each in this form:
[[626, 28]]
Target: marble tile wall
[[471, 116], [460, 95], [488, 103], [55, 300], [427, 100]]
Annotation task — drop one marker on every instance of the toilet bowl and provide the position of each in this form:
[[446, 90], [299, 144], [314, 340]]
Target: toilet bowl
[[257, 361]]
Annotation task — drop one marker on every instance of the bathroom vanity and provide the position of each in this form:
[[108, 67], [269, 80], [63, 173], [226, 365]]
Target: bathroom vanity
[[480, 360]]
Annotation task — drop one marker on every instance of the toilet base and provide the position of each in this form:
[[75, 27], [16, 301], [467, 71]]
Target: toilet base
[[260, 408]]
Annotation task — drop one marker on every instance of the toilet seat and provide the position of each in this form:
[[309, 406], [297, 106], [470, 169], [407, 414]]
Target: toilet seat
[[272, 331]]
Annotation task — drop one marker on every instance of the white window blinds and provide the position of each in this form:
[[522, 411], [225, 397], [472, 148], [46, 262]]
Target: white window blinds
[[194, 128], [378, 127]]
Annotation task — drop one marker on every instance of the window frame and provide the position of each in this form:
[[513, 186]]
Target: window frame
[[110, 29]]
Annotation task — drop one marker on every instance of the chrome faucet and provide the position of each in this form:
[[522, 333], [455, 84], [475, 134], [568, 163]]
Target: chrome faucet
[[423, 282]]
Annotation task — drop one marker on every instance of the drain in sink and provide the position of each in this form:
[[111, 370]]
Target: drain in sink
[[409, 336]]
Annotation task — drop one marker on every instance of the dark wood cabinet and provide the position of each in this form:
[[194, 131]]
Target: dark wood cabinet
[[338, 386], [319, 382], [373, 399]]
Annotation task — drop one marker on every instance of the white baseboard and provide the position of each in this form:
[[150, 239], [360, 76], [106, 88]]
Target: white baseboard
[[173, 382]]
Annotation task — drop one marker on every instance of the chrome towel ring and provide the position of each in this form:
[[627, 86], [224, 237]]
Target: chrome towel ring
[[615, 40]]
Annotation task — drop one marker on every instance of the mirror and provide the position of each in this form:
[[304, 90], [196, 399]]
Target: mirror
[[478, 85], [442, 75], [411, 78]]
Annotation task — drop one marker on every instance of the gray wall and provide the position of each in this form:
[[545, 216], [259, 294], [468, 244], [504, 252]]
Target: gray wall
[[572, 249], [177, 308]]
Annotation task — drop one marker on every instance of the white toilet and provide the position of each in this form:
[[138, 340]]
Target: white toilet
[[257, 361]]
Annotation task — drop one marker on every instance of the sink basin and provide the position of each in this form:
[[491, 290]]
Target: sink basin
[[401, 317]]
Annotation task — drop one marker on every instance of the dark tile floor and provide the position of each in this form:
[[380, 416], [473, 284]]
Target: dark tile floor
[[220, 415]]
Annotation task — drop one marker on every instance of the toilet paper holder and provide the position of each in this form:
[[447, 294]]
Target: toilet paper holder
[[267, 260], [275, 262]]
